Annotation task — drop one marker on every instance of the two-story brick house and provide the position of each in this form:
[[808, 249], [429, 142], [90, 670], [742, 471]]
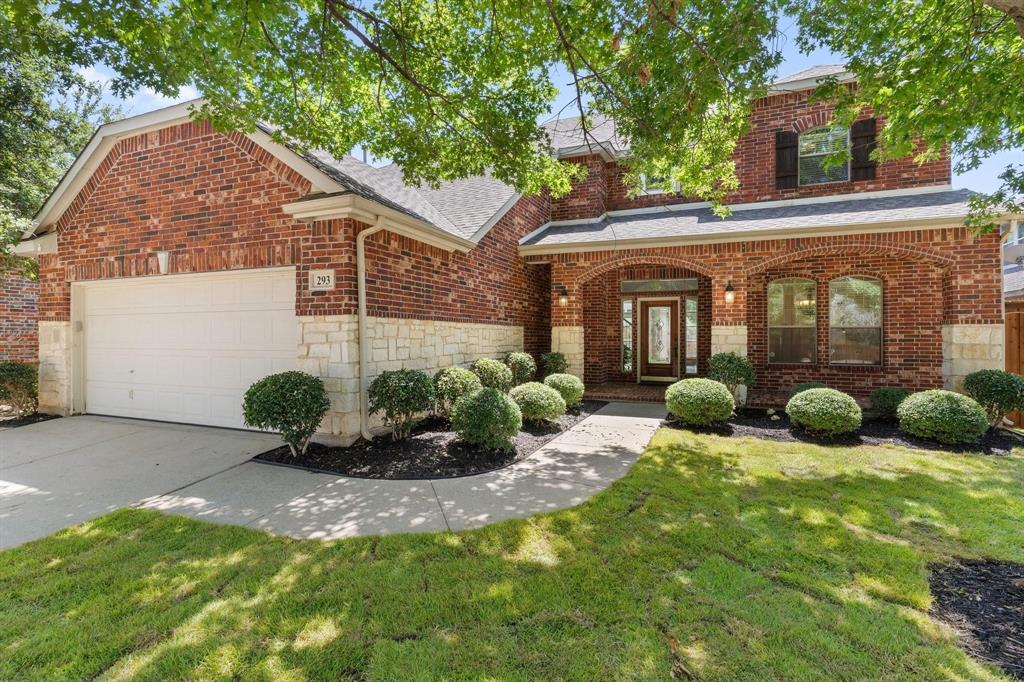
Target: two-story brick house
[[179, 264]]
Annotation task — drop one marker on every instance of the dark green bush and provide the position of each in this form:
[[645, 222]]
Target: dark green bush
[[522, 366], [885, 401], [699, 402], [997, 391], [487, 418], [824, 411], [570, 387], [450, 384], [944, 416], [731, 369], [805, 386], [290, 403], [538, 402], [19, 386], [401, 395], [493, 373], [554, 363]]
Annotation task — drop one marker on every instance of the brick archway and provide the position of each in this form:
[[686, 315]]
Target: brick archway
[[668, 261], [865, 249]]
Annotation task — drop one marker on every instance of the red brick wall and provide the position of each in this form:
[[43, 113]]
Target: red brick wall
[[19, 315], [589, 196]]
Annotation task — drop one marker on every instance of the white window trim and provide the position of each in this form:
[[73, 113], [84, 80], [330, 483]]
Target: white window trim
[[800, 157], [655, 190]]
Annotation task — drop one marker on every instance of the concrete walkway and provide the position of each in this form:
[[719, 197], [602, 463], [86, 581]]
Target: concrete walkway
[[98, 464]]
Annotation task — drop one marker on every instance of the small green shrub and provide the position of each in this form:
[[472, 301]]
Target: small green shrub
[[493, 374], [554, 363], [19, 386], [731, 369], [944, 416], [699, 402], [805, 386], [997, 391], [569, 386], [824, 411], [522, 366], [487, 418], [401, 395], [885, 401], [450, 384], [290, 403], [538, 402]]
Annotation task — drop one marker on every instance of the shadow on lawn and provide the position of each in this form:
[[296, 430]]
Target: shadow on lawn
[[695, 564]]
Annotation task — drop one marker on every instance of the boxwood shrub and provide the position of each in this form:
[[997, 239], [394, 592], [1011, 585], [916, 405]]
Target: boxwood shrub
[[522, 366], [401, 396], [944, 416], [492, 373], [805, 386], [19, 386], [997, 391], [290, 403], [450, 384], [569, 386], [699, 402], [731, 369], [538, 402], [487, 418], [824, 411], [885, 401], [554, 363]]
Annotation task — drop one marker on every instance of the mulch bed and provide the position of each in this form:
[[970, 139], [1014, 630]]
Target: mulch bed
[[756, 423], [432, 451], [984, 602], [14, 422]]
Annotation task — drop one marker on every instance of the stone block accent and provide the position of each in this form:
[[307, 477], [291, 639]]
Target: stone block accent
[[729, 339], [967, 348], [55, 367], [569, 342]]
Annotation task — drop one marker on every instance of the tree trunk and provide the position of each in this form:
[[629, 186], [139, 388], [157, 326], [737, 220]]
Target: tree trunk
[[1012, 8]]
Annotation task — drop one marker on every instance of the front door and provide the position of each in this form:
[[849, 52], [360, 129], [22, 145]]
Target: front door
[[659, 347]]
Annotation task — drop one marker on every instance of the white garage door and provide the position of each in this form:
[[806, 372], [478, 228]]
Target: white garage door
[[184, 348]]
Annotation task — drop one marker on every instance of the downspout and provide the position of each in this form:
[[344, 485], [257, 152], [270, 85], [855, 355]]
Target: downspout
[[364, 348]]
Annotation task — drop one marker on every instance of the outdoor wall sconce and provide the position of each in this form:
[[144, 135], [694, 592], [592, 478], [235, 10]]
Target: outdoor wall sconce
[[162, 259], [730, 293], [563, 296]]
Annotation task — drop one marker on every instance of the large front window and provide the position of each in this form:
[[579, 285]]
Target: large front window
[[815, 147], [855, 321], [792, 321]]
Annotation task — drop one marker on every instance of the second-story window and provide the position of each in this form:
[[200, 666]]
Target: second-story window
[[815, 146], [655, 184]]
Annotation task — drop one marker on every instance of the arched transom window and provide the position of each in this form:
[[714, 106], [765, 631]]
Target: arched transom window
[[855, 321], [792, 320]]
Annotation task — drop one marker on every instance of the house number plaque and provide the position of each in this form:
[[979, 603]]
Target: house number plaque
[[321, 280]]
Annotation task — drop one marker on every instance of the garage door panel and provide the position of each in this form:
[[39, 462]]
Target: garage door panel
[[185, 348]]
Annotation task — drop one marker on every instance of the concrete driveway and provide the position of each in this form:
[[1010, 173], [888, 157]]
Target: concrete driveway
[[58, 473]]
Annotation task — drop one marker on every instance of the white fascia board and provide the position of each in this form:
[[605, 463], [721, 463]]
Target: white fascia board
[[30, 248], [809, 83], [605, 149], [318, 180]]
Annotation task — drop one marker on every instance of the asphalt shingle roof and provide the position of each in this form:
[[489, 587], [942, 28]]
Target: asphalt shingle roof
[[701, 222]]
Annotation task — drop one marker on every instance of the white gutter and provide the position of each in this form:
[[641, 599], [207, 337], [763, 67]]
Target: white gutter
[[364, 348]]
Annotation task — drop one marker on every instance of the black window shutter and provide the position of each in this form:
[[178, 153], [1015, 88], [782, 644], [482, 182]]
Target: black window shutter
[[862, 142], [786, 159]]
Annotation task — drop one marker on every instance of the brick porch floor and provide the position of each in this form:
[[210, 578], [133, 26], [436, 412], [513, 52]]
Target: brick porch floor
[[627, 391]]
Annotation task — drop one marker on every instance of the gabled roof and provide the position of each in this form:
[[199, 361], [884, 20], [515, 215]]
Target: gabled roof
[[893, 209]]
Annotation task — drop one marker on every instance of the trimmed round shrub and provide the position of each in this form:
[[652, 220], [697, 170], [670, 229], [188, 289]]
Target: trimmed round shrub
[[824, 411], [554, 363], [19, 386], [805, 386], [944, 416], [492, 373], [699, 402], [290, 403], [885, 401], [522, 366], [487, 418], [997, 391], [538, 402], [450, 384], [731, 369], [401, 395], [570, 387]]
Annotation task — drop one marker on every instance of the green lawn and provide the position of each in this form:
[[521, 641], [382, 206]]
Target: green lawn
[[715, 558]]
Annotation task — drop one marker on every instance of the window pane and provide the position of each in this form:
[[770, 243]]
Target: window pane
[[855, 302], [659, 335], [813, 171], [856, 346], [823, 140], [815, 146], [691, 336], [630, 286], [792, 303], [791, 344], [627, 335]]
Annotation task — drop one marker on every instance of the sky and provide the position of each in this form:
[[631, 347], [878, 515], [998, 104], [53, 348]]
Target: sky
[[982, 179]]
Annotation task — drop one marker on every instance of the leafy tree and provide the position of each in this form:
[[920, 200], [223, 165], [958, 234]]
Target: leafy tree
[[47, 113], [450, 88]]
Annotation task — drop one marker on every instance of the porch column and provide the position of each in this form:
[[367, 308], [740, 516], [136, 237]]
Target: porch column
[[567, 318], [729, 320]]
